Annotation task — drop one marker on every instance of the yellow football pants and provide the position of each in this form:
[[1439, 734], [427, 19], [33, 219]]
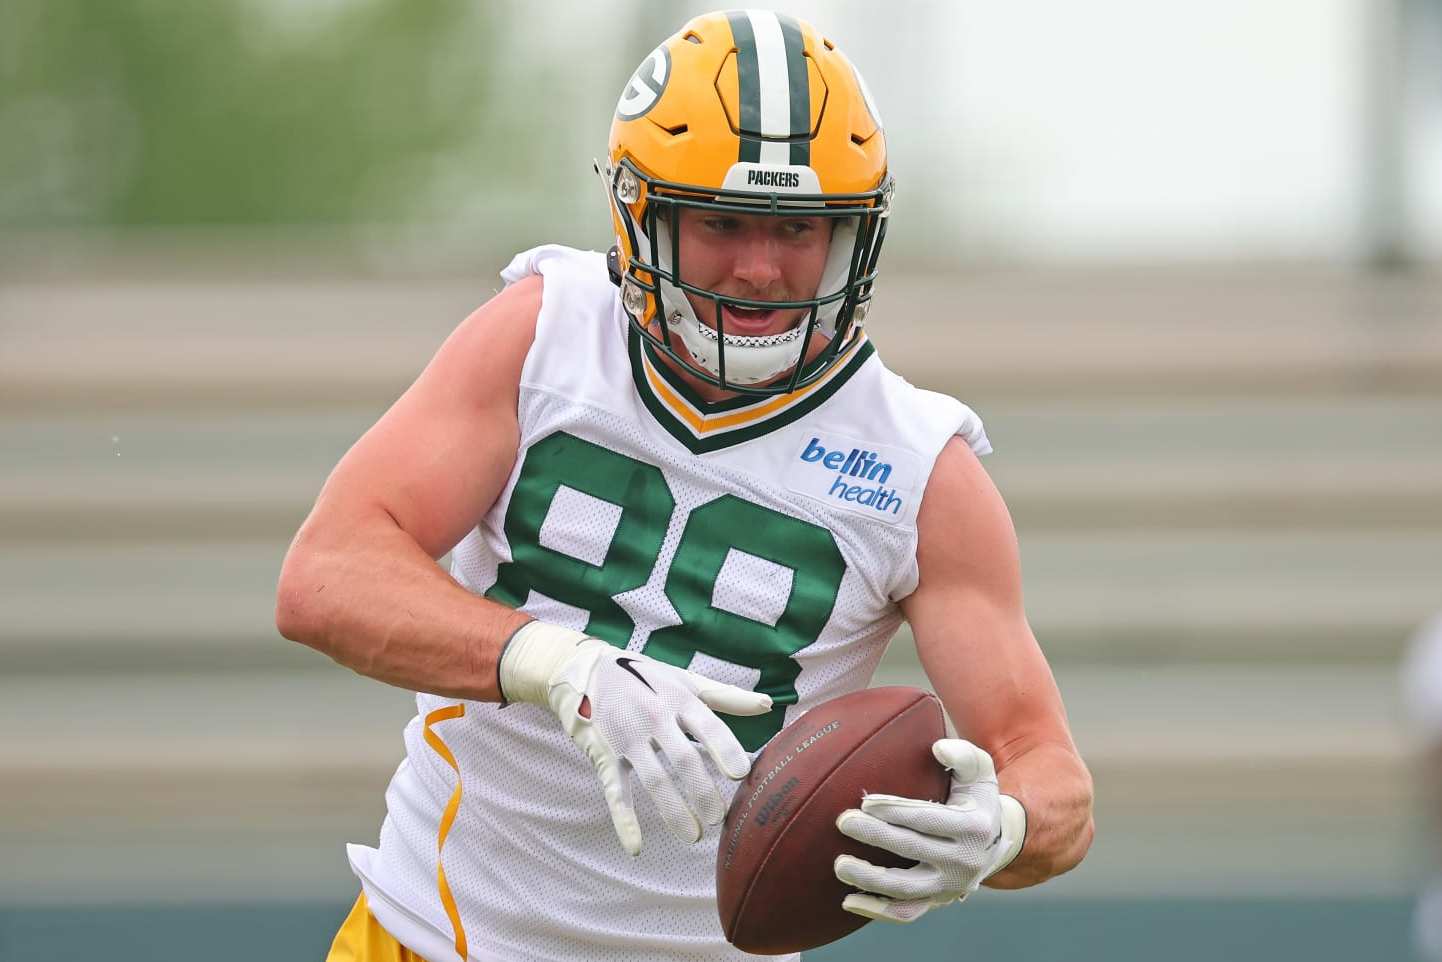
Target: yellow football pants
[[361, 939]]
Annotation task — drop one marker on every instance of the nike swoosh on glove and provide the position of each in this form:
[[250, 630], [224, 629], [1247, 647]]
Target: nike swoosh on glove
[[957, 845], [636, 710]]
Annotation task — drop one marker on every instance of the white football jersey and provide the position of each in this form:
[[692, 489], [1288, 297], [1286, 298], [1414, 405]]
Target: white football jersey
[[762, 542]]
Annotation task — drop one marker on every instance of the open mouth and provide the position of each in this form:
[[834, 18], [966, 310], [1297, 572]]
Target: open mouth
[[748, 320]]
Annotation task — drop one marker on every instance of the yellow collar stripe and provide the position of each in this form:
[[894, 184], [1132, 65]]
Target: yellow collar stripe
[[703, 424]]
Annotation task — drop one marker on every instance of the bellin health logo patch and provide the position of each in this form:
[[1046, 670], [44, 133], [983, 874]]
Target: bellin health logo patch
[[869, 478]]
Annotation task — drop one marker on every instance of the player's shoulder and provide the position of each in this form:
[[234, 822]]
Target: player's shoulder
[[958, 467], [547, 279], [571, 271], [882, 407], [577, 295], [518, 303], [503, 328], [963, 521], [927, 418]]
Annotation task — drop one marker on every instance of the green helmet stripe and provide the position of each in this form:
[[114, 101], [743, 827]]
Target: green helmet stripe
[[748, 73], [800, 84]]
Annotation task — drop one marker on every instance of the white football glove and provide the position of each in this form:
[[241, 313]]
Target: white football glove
[[639, 708], [958, 845]]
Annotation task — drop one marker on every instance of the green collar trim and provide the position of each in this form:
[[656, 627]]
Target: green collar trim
[[726, 437]]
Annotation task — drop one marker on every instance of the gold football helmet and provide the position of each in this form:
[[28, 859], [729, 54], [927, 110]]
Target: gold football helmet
[[746, 112]]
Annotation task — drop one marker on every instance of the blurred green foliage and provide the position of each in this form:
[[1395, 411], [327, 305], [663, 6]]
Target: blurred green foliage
[[245, 112]]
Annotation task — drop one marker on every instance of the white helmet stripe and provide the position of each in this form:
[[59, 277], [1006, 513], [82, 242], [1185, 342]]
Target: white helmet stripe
[[775, 84]]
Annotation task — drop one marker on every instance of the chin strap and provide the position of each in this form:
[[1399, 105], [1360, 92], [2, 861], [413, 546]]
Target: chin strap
[[613, 264]]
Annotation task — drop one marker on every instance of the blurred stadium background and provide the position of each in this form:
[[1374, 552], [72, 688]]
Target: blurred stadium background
[[1183, 257]]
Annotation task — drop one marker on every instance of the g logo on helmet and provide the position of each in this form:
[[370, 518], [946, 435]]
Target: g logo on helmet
[[646, 85]]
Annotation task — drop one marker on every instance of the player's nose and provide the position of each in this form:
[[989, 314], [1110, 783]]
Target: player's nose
[[756, 261]]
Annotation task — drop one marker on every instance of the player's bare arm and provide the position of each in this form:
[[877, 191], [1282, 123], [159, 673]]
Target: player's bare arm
[[360, 582], [981, 657], [1019, 807]]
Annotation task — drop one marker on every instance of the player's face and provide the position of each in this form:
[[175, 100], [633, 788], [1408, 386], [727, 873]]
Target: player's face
[[753, 256]]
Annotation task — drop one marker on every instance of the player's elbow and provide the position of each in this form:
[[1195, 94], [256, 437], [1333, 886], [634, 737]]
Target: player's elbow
[[1084, 820], [289, 611], [1089, 834], [1081, 845], [298, 595], [1062, 832]]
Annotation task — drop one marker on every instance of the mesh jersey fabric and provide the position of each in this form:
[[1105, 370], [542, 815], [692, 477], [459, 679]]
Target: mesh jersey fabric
[[531, 860]]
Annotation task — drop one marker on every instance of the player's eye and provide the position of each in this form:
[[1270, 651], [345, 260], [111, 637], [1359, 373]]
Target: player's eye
[[720, 224], [798, 228]]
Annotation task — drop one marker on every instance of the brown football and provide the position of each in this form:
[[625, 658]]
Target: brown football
[[775, 888]]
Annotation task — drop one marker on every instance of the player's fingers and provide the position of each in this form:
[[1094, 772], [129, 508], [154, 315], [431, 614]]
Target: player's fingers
[[885, 910], [719, 696], [719, 741], [667, 797], [899, 841], [897, 883], [952, 820], [967, 762], [691, 772], [618, 799]]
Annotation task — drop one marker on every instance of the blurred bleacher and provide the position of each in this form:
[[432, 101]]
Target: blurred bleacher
[[1227, 483]]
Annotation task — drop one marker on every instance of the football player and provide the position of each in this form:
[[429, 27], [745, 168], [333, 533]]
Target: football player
[[685, 500]]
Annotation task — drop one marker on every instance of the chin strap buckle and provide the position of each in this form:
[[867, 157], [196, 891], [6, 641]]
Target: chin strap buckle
[[613, 264]]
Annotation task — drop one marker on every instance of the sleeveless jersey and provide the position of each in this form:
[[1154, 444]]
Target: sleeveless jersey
[[762, 542]]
